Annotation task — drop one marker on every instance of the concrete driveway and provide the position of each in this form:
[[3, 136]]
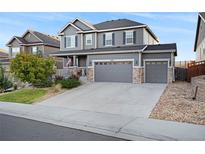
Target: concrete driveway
[[124, 99]]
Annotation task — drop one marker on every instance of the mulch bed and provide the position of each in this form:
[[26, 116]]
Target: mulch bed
[[176, 104]]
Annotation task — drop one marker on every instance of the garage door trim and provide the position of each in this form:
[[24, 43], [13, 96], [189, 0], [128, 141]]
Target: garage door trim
[[150, 60], [110, 60]]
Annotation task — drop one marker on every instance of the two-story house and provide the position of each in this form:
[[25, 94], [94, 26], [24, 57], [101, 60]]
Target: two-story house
[[116, 51], [199, 46], [33, 42]]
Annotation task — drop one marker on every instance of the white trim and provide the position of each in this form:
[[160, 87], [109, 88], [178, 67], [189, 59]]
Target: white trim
[[129, 31], [113, 29], [111, 60], [91, 53], [159, 51], [84, 22], [168, 66], [202, 18], [67, 26], [96, 40], [82, 44]]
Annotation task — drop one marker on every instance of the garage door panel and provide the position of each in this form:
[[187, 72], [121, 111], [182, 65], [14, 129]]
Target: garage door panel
[[113, 72], [156, 72]]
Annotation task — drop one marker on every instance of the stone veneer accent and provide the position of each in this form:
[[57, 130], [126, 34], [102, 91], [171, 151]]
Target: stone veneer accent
[[90, 75], [170, 75], [138, 75], [200, 82]]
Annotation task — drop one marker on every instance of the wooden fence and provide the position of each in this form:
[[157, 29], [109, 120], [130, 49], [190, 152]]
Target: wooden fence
[[195, 69]]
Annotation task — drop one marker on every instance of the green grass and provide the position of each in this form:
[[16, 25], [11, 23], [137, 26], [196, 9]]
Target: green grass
[[26, 96]]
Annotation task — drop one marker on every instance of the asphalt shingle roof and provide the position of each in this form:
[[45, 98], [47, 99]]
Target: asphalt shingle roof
[[47, 39], [116, 24], [122, 48]]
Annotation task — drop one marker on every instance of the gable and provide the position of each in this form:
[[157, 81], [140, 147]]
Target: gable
[[201, 33], [70, 30], [30, 37], [81, 25], [14, 43]]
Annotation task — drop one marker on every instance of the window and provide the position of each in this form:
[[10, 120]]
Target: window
[[15, 51], [34, 50], [129, 37], [108, 39], [70, 41], [88, 39]]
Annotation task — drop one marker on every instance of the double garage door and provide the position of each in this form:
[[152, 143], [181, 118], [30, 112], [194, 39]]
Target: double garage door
[[121, 71], [113, 71]]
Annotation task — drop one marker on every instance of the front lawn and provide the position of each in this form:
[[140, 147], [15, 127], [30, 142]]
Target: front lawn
[[26, 96]]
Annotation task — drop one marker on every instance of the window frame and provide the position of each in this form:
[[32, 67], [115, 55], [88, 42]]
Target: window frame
[[33, 50], [132, 32], [88, 37], [72, 44], [106, 35], [16, 52]]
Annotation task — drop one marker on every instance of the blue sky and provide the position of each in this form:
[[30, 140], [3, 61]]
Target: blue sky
[[169, 27]]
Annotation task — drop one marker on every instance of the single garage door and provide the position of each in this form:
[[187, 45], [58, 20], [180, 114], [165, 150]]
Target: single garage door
[[113, 72], [156, 71]]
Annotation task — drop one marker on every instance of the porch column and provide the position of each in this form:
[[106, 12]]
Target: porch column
[[140, 59], [74, 60]]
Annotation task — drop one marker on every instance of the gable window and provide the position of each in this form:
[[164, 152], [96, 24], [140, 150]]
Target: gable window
[[88, 39], [34, 50], [15, 51], [70, 41], [129, 37], [108, 39]]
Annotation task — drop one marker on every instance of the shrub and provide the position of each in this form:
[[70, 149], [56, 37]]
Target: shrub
[[15, 87], [33, 69], [4, 82], [69, 83], [56, 88], [58, 78]]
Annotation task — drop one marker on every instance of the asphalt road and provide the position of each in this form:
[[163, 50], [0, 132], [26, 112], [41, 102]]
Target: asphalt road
[[21, 129]]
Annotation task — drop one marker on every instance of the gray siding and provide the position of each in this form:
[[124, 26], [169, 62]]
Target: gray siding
[[134, 56], [81, 25], [201, 35], [156, 56], [31, 38], [119, 37], [93, 42], [70, 31]]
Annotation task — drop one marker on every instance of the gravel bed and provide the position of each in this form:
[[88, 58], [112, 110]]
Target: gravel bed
[[176, 104]]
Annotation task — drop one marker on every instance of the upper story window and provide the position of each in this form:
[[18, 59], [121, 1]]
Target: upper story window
[[88, 39], [15, 51], [70, 41], [108, 40], [34, 50], [129, 37]]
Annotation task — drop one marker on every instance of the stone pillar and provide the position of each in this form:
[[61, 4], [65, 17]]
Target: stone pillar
[[138, 75], [90, 74], [170, 74]]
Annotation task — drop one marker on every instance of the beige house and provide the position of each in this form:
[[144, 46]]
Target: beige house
[[199, 46], [33, 42]]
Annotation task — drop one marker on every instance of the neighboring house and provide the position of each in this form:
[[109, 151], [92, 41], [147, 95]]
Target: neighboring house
[[199, 46], [4, 59], [33, 42], [116, 51]]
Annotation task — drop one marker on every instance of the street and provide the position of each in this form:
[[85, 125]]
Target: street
[[21, 129]]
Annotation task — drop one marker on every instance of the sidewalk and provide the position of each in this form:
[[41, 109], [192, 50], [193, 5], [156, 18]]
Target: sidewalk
[[129, 128]]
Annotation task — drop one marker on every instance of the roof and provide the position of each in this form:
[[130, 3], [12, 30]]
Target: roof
[[43, 38], [200, 16], [85, 51], [3, 54], [116, 24], [136, 48], [49, 40]]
